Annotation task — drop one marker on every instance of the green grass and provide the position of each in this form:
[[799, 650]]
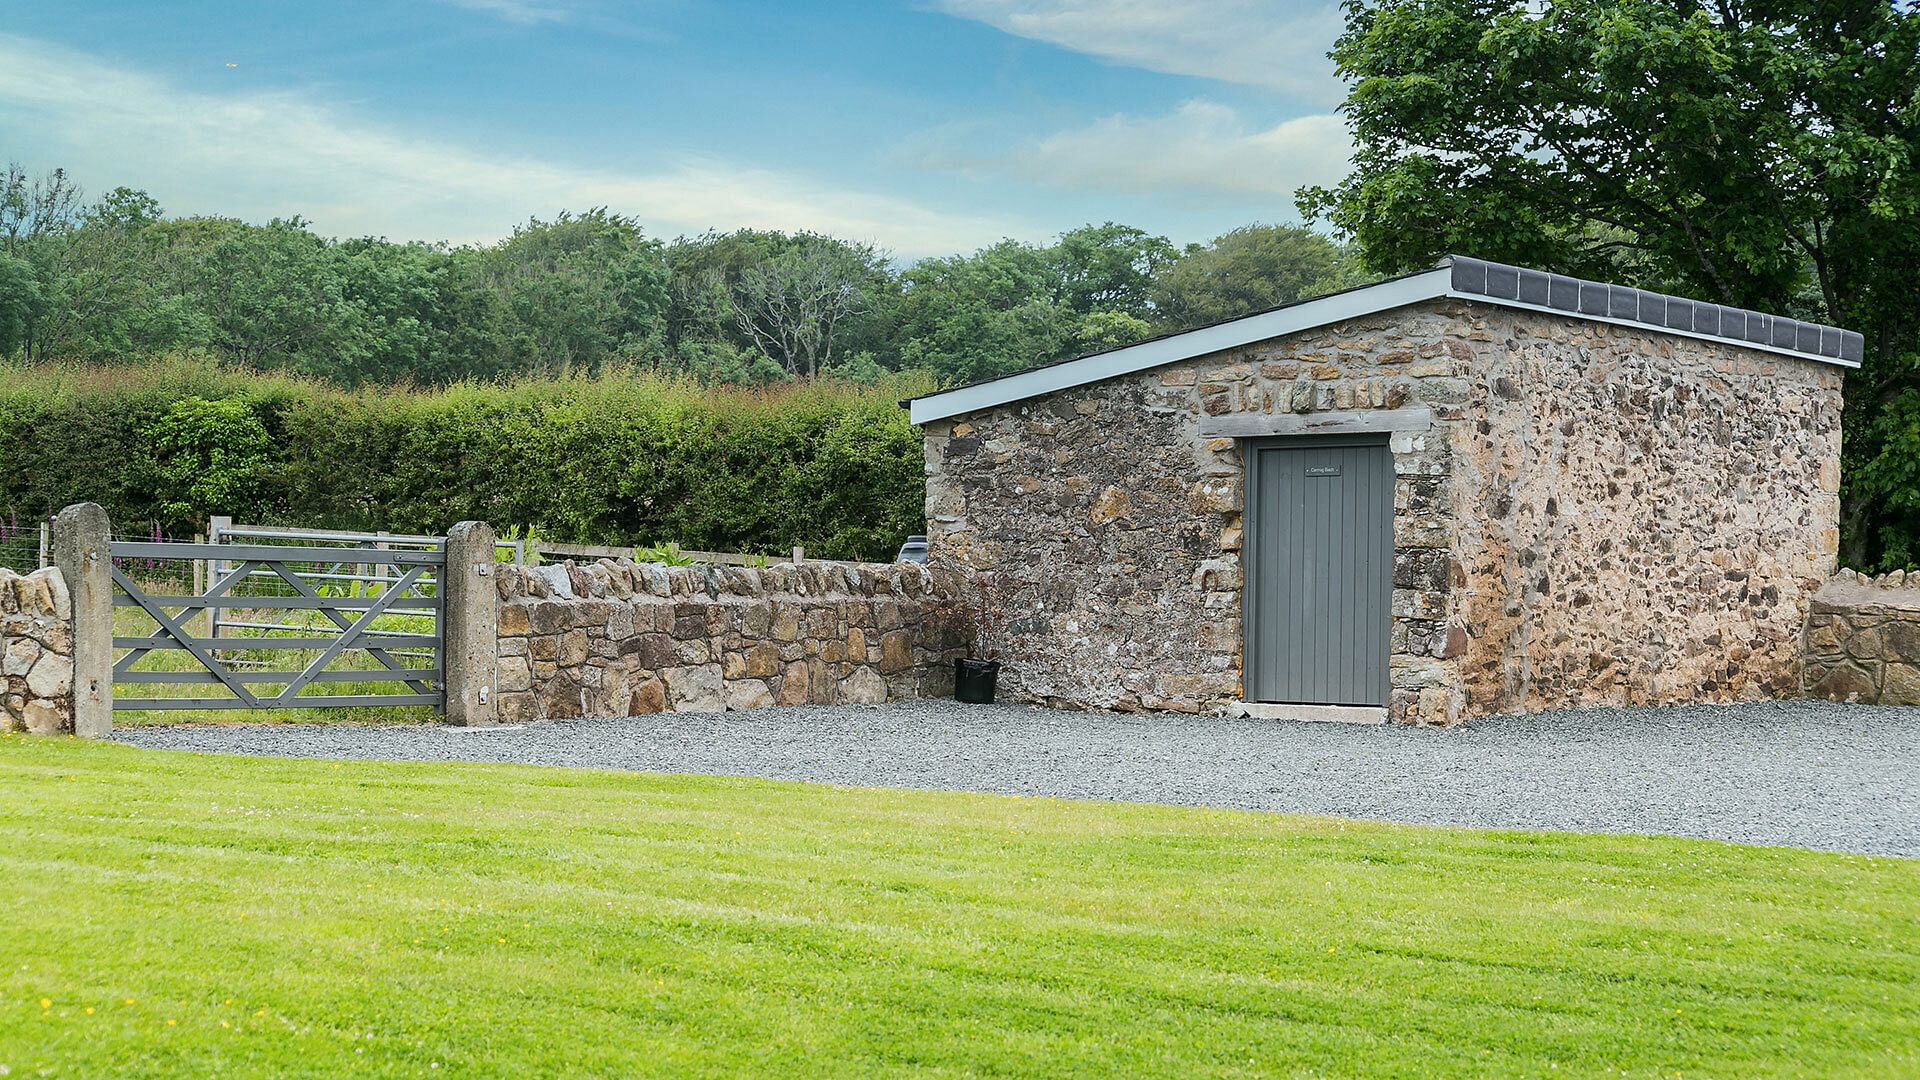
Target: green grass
[[260, 917], [135, 622]]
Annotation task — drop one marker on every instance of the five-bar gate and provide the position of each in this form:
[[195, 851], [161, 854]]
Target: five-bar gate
[[359, 625]]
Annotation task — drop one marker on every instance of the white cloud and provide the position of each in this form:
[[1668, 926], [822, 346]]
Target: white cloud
[[1201, 146], [262, 154], [1275, 46], [520, 11]]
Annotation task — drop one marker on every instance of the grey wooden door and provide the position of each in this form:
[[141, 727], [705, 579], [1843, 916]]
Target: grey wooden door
[[1319, 563]]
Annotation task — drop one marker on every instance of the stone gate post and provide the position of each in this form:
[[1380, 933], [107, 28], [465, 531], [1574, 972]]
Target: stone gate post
[[470, 633], [81, 534]]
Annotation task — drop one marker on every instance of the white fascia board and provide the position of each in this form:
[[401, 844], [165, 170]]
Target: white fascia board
[[1431, 285], [1635, 324]]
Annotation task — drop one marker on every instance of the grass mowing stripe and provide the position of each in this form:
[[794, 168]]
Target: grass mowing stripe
[[410, 919]]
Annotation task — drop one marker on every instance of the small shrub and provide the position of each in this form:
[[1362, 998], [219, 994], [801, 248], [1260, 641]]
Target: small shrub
[[668, 554]]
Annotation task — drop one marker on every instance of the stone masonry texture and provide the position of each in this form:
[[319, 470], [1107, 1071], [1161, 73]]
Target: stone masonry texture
[[615, 638], [1863, 640], [36, 652], [1597, 515]]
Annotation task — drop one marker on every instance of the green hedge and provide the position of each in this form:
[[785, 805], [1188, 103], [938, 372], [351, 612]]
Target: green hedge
[[621, 458]]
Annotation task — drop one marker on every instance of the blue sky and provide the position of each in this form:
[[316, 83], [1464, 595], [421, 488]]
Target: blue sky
[[928, 127]]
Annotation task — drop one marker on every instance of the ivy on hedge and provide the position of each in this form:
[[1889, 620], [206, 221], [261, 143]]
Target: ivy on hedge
[[621, 458]]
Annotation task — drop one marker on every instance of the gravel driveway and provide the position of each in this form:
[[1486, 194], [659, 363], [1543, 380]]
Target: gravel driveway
[[1810, 774]]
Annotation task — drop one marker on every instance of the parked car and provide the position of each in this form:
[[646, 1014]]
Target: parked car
[[914, 550]]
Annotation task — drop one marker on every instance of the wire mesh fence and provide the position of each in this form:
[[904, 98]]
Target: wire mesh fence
[[23, 543]]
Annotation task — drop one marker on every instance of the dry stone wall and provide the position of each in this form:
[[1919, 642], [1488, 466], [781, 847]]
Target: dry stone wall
[[1863, 640], [615, 638], [1596, 514], [36, 652]]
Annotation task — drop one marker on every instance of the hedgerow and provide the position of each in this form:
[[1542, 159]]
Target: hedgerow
[[624, 457]]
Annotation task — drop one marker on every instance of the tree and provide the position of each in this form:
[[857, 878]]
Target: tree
[[33, 209], [1099, 331], [794, 306], [431, 314], [581, 290], [1252, 268], [38, 217], [801, 300], [111, 298], [269, 295], [1760, 155], [20, 303], [1108, 268], [969, 317]]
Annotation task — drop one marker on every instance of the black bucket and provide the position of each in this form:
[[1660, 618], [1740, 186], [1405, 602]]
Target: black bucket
[[974, 680]]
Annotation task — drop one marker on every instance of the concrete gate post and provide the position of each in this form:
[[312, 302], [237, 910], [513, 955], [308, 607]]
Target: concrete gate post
[[81, 534], [470, 631]]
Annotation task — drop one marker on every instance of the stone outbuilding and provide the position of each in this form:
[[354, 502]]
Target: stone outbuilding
[[1474, 490]]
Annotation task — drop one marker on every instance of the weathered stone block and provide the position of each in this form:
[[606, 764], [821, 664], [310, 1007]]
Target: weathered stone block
[[762, 661], [748, 694], [1215, 495], [863, 686], [795, 685], [550, 617], [825, 686], [650, 652], [1902, 636], [1900, 685], [695, 689], [19, 656], [1109, 506], [649, 695], [896, 651], [1844, 682], [572, 648], [518, 708], [560, 696], [757, 620], [1864, 644], [514, 619], [45, 717], [689, 621], [514, 673]]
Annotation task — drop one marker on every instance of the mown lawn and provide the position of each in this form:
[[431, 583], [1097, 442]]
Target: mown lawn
[[186, 915]]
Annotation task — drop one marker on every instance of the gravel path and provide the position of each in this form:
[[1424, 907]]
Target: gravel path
[[1808, 774]]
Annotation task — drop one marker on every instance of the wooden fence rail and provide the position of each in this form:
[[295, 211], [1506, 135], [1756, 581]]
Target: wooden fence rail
[[714, 558]]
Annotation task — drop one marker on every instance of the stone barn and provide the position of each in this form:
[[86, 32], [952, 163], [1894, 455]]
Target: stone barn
[[1473, 490]]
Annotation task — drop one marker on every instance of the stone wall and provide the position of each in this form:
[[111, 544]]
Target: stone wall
[[1595, 514], [1642, 519], [36, 652], [618, 639], [1863, 640]]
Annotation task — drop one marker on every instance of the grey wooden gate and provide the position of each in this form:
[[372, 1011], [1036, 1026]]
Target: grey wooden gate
[[1319, 570], [322, 609]]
